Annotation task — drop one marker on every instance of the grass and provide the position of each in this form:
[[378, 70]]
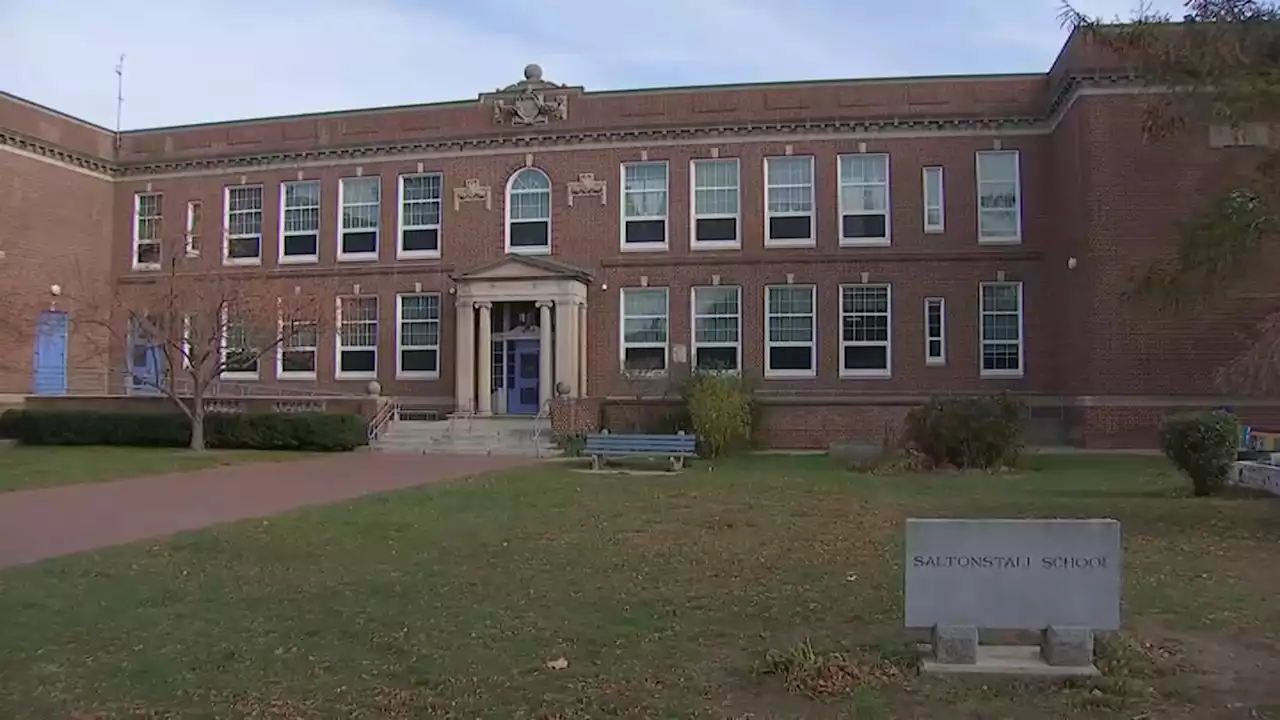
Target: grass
[[26, 468], [666, 595]]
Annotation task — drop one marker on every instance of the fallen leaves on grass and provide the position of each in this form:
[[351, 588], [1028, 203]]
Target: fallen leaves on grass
[[557, 664], [817, 674]]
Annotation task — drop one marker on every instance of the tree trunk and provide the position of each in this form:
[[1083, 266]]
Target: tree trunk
[[197, 428]]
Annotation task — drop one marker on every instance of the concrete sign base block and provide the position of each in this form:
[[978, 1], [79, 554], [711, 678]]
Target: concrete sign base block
[[1018, 661]]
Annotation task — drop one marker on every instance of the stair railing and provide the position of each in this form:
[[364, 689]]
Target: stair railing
[[388, 412], [544, 414]]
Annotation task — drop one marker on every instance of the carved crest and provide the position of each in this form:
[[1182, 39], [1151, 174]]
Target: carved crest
[[587, 186], [528, 104], [472, 191]]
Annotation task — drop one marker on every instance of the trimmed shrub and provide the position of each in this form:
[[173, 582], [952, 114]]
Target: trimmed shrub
[[972, 432], [719, 411], [1203, 446], [8, 424], [318, 432]]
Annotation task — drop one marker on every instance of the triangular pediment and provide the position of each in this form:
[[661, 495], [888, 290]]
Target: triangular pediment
[[524, 267]]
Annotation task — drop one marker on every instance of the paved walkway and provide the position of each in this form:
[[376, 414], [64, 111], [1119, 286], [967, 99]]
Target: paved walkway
[[37, 524]]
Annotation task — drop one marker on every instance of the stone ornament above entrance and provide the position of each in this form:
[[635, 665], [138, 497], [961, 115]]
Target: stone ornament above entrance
[[472, 191], [529, 104], [587, 186]]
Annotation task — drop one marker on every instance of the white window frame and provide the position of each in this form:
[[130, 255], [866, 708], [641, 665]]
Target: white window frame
[[401, 347], [693, 327], [841, 211], [941, 206], [283, 347], [812, 241], [623, 345], [376, 229], [228, 236], [695, 216], [982, 343], [137, 228], [769, 372], [299, 259], [506, 212], [665, 217], [401, 227], [887, 343], [195, 214], [225, 325], [940, 359], [338, 373], [1016, 238]]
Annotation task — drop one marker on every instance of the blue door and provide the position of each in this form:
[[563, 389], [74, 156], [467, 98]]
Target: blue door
[[50, 362], [522, 391], [144, 364]]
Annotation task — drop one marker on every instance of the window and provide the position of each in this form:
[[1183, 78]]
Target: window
[[644, 205], [717, 328], [299, 221], [360, 201], [788, 213], [297, 356], [789, 331], [935, 331], [715, 203], [239, 357], [147, 210], [864, 199], [243, 244], [644, 330], [865, 321], [357, 338], [1001, 329], [195, 219], [934, 216], [999, 197], [420, 215], [529, 212], [418, 336]]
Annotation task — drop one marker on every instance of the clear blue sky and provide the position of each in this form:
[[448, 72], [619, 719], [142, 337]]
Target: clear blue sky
[[204, 60]]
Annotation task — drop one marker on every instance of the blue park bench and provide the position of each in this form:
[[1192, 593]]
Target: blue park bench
[[673, 447]]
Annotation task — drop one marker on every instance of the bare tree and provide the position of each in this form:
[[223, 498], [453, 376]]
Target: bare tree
[[204, 324]]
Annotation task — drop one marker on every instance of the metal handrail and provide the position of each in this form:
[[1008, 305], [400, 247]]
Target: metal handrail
[[544, 411], [387, 413]]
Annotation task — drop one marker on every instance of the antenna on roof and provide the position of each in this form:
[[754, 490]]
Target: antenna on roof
[[119, 96]]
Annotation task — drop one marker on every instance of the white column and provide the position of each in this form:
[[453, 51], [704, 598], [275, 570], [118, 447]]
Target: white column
[[465, 364], [582, 349], [484, 393], [566, 351], [544, 353]]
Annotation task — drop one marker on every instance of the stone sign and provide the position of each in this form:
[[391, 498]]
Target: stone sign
[[1013, 574], [1256, 476]]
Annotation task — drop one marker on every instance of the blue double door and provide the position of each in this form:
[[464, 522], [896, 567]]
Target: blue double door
[[49, 363], [522, 377], [145, 364]]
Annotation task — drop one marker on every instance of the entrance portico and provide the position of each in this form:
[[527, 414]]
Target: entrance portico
[[521, 333]]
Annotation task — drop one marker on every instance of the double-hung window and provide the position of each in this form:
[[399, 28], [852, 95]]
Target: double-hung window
[[934, 204], [935, 331], [357, 338], [999, 197], [195, 223], [1001, 329], [299, 221], [359, 207], [529, 212], [147, 211], [418, 335], [420, 203], [717, 328], [243, 244], [788, 211], [644, 330], [715, 204], [644, 205], [297, 356], [864, 199], [238, 355], [790, 331], [865, 331]]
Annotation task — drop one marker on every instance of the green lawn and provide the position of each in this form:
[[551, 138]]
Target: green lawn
[[664, 594], [24, 468]]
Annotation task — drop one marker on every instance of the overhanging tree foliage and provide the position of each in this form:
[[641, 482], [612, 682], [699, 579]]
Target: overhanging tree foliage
[[1218, 64]]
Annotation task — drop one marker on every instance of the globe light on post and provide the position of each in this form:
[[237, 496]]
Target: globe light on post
[[55, 290]]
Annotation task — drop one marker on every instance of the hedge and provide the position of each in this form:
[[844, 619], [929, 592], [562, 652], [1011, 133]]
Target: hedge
[[323, 432]]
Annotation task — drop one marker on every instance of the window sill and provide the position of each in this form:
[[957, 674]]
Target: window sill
[[790, 374], [865, 375], [935, 231], [865, 242], [645, 247], [358, 257], [231, 262], [355, 376], [145, 267], [299, 259], [1001, 374], [418, 255], [238, 376], [716, 245], [529, 250], [642, 374], [935, 363], [414, 375], [295, 376], [1000, 241], [790, 243]]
